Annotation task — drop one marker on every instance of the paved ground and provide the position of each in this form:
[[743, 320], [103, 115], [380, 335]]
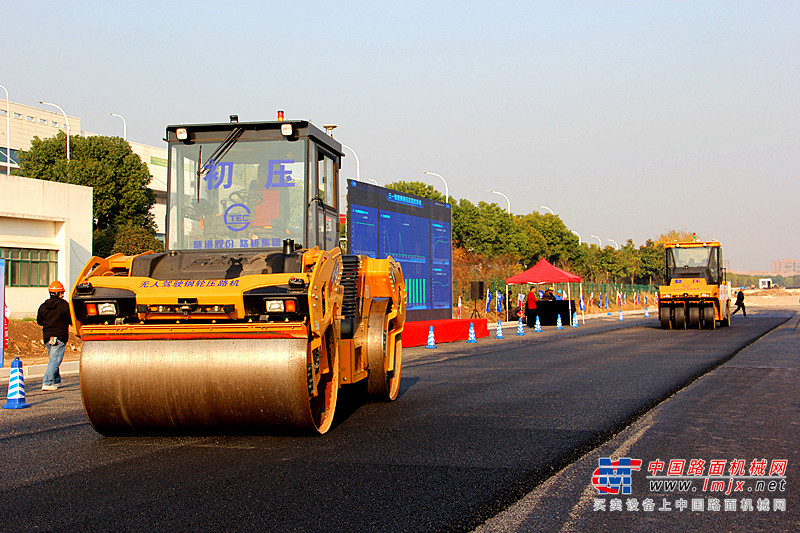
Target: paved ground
[[477, 427], [747, 409]]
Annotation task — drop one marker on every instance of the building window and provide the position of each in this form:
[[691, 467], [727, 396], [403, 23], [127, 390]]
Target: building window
[[18, 115], [3, 112], [43, 121], [30, 118], [29, 268], [54, 124]]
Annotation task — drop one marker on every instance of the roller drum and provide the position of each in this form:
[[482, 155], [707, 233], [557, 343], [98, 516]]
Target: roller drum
[[165, 385]]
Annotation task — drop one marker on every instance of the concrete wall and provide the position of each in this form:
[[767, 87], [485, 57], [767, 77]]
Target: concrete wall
[[45, 215]]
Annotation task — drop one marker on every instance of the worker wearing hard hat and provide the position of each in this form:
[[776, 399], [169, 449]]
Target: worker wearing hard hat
[[55, 320]]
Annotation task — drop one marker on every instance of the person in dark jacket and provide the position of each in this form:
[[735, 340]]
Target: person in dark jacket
[[740, 304], [55, 320]]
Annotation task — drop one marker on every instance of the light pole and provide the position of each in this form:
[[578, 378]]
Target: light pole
[[8, 135], [615, 243], [373, 181], [545, 207], [124, 126], [66, 120], [504, 196], [600, 243], [578, 234], [446, 195], [358, 166]]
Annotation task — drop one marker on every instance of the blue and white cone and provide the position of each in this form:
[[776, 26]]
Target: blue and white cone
[[575, 319], [431, 342], [499, 334], [520, 331], [16, 387], [472, 333], [559, 325], [538, 326], [620, 316], [646, 313]]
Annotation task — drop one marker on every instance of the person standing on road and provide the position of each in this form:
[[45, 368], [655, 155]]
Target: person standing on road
[[740, 304], [55, 320], [530, 308]]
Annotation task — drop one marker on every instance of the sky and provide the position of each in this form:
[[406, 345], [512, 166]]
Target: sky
[[627, 119]]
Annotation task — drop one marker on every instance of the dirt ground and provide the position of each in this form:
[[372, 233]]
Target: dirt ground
[[25, 342], [25, 336]]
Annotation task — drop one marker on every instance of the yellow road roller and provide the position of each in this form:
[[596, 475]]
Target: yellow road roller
[[697, 293], [253, 318]]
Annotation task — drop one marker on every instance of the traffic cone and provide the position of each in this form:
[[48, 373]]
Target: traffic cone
[[520, 331], [559, 325], [431, 342], [646, 313], [472, 333], [575, 319], [620, 316], [499, 334], [16, 387], [538, 326]]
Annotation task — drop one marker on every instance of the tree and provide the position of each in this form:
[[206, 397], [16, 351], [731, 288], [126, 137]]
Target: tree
[[417, 188], [131, 240], [118, 177], [674, 235], [560, 244]]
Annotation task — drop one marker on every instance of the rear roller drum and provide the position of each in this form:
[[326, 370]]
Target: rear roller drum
[[383, 382]]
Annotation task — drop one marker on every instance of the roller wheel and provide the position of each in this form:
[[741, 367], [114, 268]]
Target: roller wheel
[[385, 365], [709, 320], [694, 317], [663, 315], [323, 405], [680, 317], [725, 321]]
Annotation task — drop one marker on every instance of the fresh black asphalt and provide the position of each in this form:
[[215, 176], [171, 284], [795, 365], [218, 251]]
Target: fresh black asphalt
[[475, 429]]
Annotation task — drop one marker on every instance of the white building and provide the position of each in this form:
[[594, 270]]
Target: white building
[[45, 235]]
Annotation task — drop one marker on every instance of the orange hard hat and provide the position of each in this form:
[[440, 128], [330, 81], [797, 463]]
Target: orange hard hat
[[55, 286]]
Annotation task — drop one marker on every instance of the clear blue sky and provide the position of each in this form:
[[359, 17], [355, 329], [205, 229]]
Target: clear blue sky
[[628, 119]]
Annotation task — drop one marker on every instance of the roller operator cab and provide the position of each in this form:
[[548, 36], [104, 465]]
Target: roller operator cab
[[696, 294], [253, 317]]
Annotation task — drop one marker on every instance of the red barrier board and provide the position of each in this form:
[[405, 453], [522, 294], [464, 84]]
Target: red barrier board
[[416, 333]]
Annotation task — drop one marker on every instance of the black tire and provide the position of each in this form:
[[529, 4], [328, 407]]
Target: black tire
[[693, 321], [680, 317], [709, 318], [663, 315], [725, 321]]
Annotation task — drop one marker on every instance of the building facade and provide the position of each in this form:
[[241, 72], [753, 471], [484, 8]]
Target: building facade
[[45, 235], [786, 267]]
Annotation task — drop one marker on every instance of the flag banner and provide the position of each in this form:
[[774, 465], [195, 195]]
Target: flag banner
[[488, 300]]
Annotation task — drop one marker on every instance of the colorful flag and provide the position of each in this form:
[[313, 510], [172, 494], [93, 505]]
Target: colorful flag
[[488, 299], [499, 302], [606, 300], [583, 307], [458, 314]]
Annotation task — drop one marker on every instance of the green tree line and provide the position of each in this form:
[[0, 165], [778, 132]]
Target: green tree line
[[493, 237]]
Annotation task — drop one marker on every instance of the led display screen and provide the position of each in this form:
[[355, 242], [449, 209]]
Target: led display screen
[[416, 232]]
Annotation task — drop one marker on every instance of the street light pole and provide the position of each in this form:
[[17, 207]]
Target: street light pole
[[124, 126], [504, 196], [600, 243], [615, 243], [358, 166], [446, 194], [66, 120], [545, 207], [8, 134], [578, 234]]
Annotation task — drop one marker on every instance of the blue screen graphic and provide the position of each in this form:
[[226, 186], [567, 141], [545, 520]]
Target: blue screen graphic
[[416, 232]]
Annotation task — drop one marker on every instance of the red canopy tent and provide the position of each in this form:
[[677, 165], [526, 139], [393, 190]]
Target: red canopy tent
[[545, 272]]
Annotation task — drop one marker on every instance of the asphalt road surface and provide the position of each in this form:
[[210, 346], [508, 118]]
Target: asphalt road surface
[[476, 429]]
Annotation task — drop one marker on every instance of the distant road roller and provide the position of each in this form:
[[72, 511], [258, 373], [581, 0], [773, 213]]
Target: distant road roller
[[253, 318], [697, 293]]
